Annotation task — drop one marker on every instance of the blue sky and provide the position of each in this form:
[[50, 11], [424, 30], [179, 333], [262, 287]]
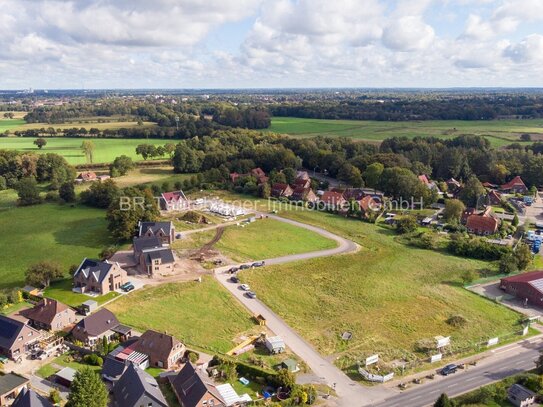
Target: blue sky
[[270, 43]]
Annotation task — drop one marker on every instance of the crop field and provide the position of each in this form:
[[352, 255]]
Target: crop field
[[59, 233], [388, 295], [70, 148], [262, 239], [199, 314], [499, 132]]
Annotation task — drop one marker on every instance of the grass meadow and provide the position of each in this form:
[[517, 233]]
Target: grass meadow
[[388, 295], [59, 233], [70, 148], [499, 132], [203, 315], [262, 239]]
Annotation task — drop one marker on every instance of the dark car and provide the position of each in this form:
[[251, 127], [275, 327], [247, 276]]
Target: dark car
[[233, 270], [258, 264], [449, 369], [234, 279], [127, 287], [244, 267], [251, 294]]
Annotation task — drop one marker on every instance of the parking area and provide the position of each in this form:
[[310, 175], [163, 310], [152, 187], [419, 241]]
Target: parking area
[[492, 291]]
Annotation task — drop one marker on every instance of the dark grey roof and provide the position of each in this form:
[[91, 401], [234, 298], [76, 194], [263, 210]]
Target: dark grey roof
[[145, 242], [98, 268], [97, 323], [10, 382], [165, 255], [137, 388], [122, 329], [29, 398], [155, 227], [9, 331], [190, 386], [113, 368], [521, 392]]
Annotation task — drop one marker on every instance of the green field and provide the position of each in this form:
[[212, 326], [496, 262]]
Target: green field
[[70, 148], [499, 132], [202, 314], [59, 233], [262, 239], [388, 295]]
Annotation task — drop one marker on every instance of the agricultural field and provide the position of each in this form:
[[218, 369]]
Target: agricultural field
[[499, 132], [202, 314], [151, 175], [59, 233], [262, 239], [390, 296], [70, 148]]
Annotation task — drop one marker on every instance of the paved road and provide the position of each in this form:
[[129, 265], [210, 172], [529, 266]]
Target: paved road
[[503, 362], [350, 392]]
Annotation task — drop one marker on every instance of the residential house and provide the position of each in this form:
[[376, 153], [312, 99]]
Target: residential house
[[466, 214], [515, 186], [302, 182], [11, 385], [165, 231], [333, 200], [16, 338], [368, 205], [100, 277], [113, 369], [489, 185], [527, 287], [193, 389], [173, 201], [157, 261], [279, 190], [163, 350], [260, 175], [356, 194], [137, 388], [103, 323], [482, 224], [86, 176], [50, 315], [302, 175], [29, 398], [494, 198], [303, 194], [145, 243], [520, 396]]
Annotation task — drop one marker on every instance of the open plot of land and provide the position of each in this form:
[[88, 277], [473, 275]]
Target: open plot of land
[[388, 295], [200, 314], [262, 239], [499, 132], [70, 148], [151, 175], [59, 233]]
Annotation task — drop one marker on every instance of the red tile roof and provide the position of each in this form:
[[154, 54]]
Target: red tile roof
[[482, 224], [332, 198], [517, 181], [424, 179], [367, 203], [174, 196]]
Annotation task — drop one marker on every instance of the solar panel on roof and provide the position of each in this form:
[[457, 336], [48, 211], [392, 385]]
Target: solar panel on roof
[[7, 329]]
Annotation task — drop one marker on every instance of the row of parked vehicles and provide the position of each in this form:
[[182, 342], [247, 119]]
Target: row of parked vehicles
[[235, 279]]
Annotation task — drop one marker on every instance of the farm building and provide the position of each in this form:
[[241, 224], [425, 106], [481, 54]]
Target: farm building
[[527, 287]]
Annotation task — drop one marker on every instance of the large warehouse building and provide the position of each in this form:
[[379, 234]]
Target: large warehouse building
[[527, 287]]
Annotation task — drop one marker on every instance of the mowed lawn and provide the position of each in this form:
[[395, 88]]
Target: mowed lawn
[[70, 148], [499, 132], [202, 314], [388, 295], [59, 233], [259, 240], [268, 238]]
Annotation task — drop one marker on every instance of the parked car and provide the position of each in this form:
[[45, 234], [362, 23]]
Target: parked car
[[127, 287], [244, 267], [258, 264], [245, 287], [449, 369], [234, 279], [251, 294], [233, 270]]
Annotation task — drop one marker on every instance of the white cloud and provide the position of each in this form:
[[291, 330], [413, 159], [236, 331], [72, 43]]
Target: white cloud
[[408, 33], [529, 50]]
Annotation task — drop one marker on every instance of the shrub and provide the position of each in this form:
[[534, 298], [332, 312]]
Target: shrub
[[457, 321], [93, 359], [54, 396]]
